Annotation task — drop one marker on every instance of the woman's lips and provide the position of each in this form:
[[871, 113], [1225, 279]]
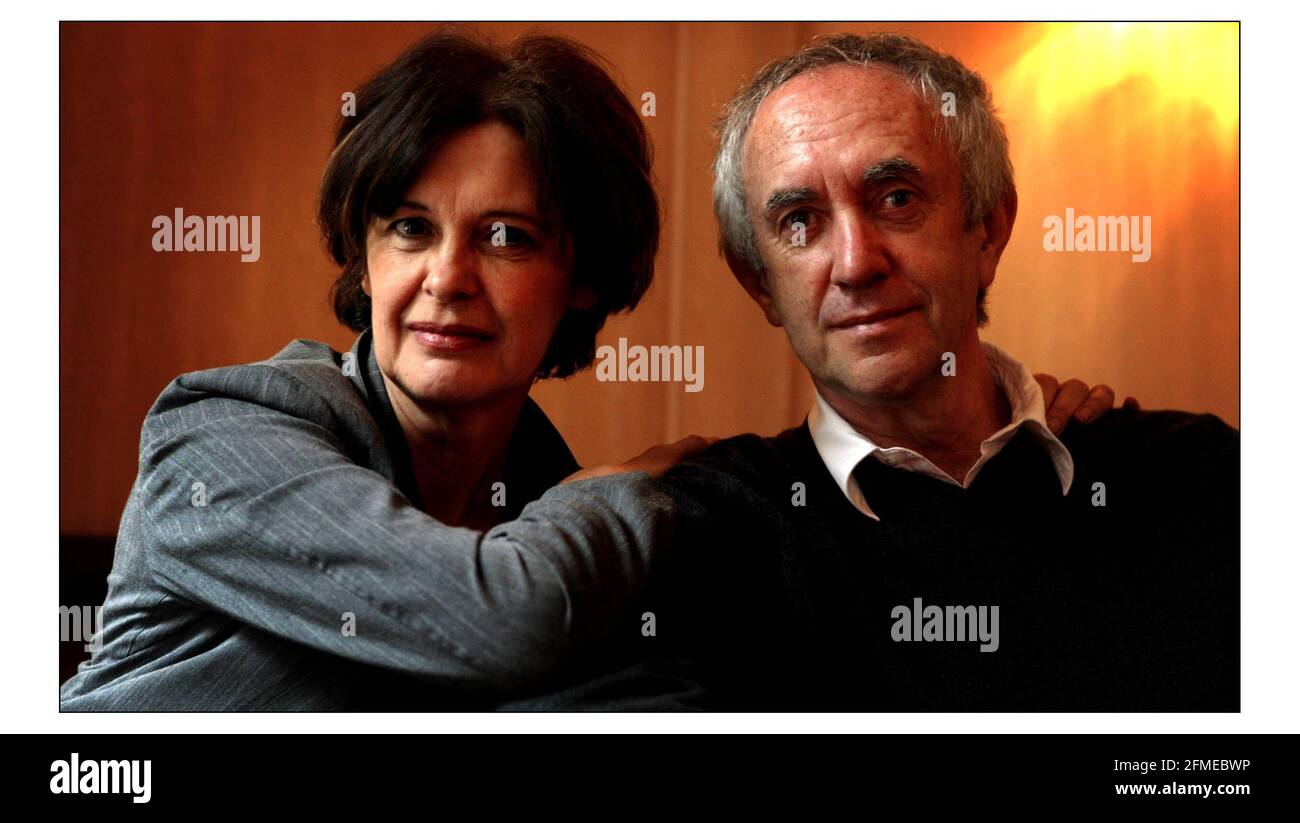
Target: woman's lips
[[448, 338]]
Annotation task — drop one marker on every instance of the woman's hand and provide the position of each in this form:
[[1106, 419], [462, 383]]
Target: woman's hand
[[653, 461], [1074, 399]]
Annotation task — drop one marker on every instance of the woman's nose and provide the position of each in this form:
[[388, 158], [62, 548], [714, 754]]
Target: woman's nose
[[453, 271]]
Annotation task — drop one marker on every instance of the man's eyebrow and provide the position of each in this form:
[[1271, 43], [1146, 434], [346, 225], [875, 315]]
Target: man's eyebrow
[[884, 171], [891, 169], [782, 198]]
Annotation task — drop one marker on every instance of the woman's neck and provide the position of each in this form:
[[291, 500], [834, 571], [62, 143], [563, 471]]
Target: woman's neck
[[458, 453]]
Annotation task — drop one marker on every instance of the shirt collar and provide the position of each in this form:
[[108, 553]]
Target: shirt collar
[[842, 447]]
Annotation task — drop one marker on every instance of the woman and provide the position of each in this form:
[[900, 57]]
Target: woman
[[348, 531]]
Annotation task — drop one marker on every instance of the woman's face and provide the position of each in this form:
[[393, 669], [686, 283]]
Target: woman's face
[[466, 281]]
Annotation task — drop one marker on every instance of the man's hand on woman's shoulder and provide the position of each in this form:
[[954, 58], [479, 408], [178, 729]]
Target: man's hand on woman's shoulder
[[654, 461]]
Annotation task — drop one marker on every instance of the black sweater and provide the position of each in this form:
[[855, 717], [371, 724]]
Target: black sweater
[[1130, 606]]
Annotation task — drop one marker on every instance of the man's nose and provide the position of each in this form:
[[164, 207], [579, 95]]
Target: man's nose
[[453, 270], [860, 254]]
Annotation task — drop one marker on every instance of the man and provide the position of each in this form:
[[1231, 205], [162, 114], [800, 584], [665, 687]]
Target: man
[[923, 541]]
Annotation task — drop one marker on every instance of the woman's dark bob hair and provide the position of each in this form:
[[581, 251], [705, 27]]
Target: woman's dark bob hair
[[589, 152]]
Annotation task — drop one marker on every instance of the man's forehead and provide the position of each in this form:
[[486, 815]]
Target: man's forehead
[[870, 88], [834, 106]]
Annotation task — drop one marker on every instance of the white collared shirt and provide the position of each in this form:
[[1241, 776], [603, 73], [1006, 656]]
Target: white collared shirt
[[842, 447]]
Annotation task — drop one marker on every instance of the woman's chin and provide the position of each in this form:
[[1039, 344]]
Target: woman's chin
[[454, 387], [448, 381]]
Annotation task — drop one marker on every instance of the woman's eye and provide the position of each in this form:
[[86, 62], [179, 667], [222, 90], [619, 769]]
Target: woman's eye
[[410, 227], [501, 235]]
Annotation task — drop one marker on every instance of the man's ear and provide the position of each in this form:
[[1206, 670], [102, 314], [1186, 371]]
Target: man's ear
[[752, 282], [997, 227]]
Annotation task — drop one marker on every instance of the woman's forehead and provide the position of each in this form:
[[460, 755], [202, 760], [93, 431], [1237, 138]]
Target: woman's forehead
[[484, 162]]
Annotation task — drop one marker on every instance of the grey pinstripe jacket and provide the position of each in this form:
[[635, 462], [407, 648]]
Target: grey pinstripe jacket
[[238, 593]]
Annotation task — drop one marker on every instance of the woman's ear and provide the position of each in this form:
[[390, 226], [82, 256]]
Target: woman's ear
[[365, 284], [583, 298]]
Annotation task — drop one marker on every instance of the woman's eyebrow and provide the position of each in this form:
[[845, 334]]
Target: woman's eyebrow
[[518, 215], [512, 214]]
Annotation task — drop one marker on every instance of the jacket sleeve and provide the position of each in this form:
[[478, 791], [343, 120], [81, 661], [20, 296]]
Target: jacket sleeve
[[263, 516]]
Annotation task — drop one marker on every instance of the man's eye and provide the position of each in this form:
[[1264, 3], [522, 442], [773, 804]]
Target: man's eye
[[518, 237], [800, 216], [892, 198]]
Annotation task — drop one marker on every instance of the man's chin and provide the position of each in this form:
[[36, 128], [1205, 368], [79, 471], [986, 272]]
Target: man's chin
[[877, 379]]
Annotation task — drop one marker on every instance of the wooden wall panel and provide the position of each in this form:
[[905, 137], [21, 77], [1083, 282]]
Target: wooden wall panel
[[236, 119]]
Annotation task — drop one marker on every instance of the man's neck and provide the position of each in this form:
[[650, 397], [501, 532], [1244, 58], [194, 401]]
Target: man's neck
[[946, 419]]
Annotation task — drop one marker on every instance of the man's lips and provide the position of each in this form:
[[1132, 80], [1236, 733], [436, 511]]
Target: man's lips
[[448, 336], [871, 319]]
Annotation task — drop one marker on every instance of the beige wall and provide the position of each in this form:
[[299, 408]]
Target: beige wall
[[236, 119]]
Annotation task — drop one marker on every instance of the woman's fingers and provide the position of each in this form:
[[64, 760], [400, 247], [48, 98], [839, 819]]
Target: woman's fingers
[[1049, 386], [1069, 398], [1100, 400], [1074, 399]]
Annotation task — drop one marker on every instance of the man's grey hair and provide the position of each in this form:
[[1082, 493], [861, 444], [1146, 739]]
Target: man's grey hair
[[975, 133]]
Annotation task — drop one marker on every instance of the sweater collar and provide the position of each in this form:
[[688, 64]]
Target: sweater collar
[[842, 448]]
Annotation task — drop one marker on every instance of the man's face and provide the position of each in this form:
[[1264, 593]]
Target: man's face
[[887, 277]]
